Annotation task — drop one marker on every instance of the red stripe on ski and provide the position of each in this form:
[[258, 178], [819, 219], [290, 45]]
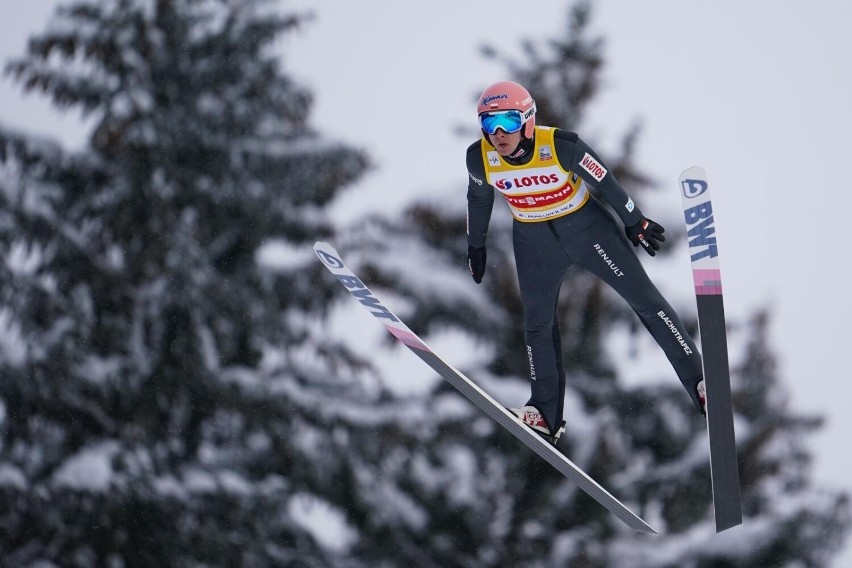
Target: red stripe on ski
[[407, 338], [708, 282]]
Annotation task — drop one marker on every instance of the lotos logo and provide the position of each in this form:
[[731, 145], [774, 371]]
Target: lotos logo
[[693, 187], [526, 181], [592, 166]]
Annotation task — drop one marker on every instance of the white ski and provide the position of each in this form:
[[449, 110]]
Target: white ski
[[332, 260]]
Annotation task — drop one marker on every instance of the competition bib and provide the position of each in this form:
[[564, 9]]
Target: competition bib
[[539, 189]]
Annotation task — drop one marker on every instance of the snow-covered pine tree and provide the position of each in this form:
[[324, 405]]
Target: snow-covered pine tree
[[164, 397], [493, 503]]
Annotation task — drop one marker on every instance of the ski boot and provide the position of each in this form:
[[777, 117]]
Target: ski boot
[[695, 388], [702, 396], [531, 416]]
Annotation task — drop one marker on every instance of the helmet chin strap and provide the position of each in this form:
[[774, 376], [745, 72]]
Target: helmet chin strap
[[522, 153]]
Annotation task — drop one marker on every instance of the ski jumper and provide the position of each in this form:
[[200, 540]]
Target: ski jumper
[[558, 224]]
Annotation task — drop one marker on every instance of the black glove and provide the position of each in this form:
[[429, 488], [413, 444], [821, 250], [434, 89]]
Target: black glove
[[646, 233], [476, 262]]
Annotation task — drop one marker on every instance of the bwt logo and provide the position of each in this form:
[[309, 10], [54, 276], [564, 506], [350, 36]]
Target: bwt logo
[[329, 260], [693, 187], [356, 287], [700, 231]]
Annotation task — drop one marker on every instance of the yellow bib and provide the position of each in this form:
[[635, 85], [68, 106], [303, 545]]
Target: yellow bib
[[539, 189]]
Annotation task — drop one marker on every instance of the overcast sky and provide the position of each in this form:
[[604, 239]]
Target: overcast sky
[[756, 92]]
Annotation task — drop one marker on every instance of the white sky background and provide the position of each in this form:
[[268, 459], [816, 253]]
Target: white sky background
[[757, 92]]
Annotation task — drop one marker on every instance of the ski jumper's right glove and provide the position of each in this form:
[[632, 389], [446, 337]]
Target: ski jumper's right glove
[[646, 233], [476, 262]]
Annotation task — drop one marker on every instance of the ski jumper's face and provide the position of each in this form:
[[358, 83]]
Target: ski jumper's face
[[504, 143]]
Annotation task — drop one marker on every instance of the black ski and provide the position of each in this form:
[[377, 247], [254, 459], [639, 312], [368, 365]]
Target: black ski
[[704, 255], [331, 259]]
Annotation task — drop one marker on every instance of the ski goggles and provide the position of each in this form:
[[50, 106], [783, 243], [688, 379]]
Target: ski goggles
[[508, 120]]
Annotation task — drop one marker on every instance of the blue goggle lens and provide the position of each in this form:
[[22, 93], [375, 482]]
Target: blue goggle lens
[[509, 120]]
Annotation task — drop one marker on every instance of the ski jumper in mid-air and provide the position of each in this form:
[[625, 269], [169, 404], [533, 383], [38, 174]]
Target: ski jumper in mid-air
[[547, 177]]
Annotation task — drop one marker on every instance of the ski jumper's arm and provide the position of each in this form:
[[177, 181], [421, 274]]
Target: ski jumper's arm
[[480, 197], [577, 156]]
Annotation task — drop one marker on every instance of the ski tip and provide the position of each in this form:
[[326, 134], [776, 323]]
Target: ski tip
[[328, 255], [322, 247], [693, 173]]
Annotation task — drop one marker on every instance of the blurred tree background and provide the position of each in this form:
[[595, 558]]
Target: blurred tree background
[[168, 395]]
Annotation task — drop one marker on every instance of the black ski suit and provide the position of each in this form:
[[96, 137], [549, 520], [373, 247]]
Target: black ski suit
[[558, 223]]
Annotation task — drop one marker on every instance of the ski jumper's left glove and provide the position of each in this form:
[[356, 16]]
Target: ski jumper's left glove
[[476, 262], [646, 233]]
